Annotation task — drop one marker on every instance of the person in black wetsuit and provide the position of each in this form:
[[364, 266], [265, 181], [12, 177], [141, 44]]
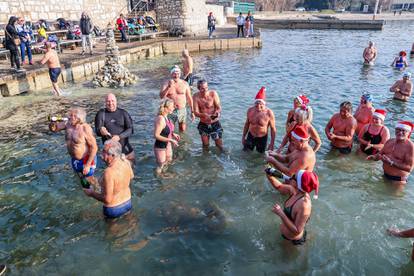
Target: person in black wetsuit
[[116, 124], [297, 208], [373, 136]]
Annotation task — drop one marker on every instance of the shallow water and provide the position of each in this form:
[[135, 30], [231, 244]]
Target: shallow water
[[47, 224]]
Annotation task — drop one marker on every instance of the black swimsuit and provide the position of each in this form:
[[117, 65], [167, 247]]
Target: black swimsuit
[[288, 213], [164, 133], [373, 139]]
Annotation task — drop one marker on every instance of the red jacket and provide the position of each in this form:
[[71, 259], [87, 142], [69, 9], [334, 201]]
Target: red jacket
[[121, 23]]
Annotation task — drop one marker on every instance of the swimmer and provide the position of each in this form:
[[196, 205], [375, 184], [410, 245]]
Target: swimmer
[[303, 117], [402, 89], [373, 136], [302, 158], [80, 142], [187, 67], [363, 114], [116, 124], [343, 125], [259, 120], [298, 207], [179, 91], [164, 135], [403, 234], [397, 154], [370, 54], [207, 107], [114, 193], [400, 62], [297, 102]]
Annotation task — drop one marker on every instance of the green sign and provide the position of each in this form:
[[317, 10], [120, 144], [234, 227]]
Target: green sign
[[244, 7]]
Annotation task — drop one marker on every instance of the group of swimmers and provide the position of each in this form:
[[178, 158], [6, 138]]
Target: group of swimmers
[[289, 171]]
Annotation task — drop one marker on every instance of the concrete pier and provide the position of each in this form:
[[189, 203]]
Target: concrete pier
[[320, 24]]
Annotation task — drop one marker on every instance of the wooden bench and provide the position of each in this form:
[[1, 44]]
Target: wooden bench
[[66, 42], [4, 52], [141, 36]]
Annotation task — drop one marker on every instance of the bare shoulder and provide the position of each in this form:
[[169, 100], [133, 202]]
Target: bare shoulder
[[196, 95], [270, 113], [87, 128]]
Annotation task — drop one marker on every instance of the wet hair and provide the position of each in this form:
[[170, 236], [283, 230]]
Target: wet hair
[[304, 113], [200, 82], [346, 105], [115, 148], [163, 105], [80, 113]]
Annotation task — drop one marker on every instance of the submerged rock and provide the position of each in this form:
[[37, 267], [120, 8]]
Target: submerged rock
[[113, 73]]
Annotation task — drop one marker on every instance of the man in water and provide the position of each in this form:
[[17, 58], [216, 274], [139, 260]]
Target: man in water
[[370, 54], [402, 89], [207, 107], [397, 154], [80, 142], [113, 123], [364, 112], [179, 91], [187, 67], [259, 120], [344, 126], [52, 60], [302, 158], [115, 192]]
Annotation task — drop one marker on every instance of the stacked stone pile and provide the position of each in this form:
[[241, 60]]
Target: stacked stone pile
[[113, 73]]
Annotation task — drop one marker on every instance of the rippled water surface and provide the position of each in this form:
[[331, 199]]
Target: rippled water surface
[[47, 224]]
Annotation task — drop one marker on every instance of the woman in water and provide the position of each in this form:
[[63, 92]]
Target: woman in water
[[363, 114], [297, 208], [400, 62], [373, 136], [297, 102], [302, 116], [164, 135]]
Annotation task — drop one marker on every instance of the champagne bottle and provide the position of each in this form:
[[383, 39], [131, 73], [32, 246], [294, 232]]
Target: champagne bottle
[[85, 183]]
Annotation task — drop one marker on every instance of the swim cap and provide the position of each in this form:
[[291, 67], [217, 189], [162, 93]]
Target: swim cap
[[174, 69], [367, 97], [407, 75]]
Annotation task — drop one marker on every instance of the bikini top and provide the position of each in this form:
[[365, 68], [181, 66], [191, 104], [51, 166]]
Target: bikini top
[[168, 129], [288, 210], [374, 139]]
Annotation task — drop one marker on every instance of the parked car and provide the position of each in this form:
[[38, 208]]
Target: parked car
[[340, 10], [300, 9]]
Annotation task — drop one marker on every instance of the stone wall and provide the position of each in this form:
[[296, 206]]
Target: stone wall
[[188, 15], [101, 11]]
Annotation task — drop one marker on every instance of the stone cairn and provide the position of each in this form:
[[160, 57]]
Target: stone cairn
[[113, 73]]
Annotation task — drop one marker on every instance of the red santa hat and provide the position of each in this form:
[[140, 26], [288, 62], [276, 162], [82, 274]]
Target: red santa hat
[[408, 126], [380, 113], [261, 95], [403, 53], [302, 99], [300, 133], [307, 182]]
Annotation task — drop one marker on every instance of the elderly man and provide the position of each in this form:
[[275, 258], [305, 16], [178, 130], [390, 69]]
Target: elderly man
[[179, 91], [344, 126], [302, 158], [402, 89], [397, 154], [113, 123], [115, 193], [80, 142], [207, 107], [259, 120], [370, 54], [187, 67]]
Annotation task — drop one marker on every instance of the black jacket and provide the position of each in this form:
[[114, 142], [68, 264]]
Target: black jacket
[[11, 34], [86, 25]]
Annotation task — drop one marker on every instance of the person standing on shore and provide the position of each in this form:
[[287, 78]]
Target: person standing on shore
[[343, 125], [25, 34], [207, 107], [122, 26], [113, 123], [402, 89], [259, 120], [12, 41], [187, 67], [179, 91], [86, 27], [370, 54], [397, 155], [52, 60], [251, 20], [211, 24], [240, 25]]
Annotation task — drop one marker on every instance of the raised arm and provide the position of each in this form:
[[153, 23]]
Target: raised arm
[[57, 126], [284, 189], [166, 89]]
